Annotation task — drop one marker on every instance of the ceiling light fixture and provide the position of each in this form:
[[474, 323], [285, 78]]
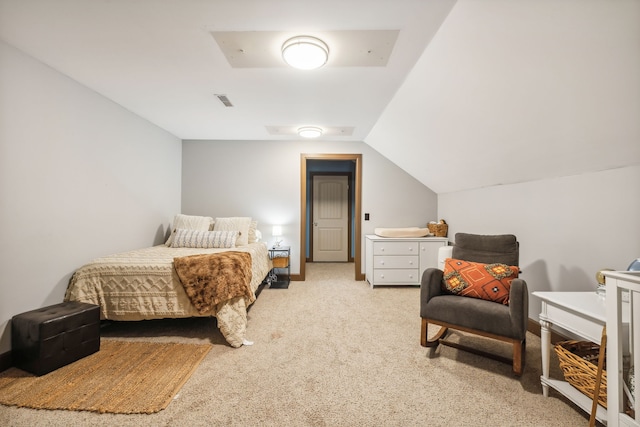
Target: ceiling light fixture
[[305, 52], [309, 132]]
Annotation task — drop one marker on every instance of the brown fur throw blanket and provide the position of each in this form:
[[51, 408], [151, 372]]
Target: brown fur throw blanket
[[213, 278]]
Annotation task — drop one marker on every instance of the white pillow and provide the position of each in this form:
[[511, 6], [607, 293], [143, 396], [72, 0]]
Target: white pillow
[[189, 222], [253, 232], [237, 223], [204, 239]]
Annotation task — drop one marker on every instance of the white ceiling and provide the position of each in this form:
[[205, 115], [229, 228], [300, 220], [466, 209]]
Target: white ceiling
[[471, 93], [349, 48], [160, 59]]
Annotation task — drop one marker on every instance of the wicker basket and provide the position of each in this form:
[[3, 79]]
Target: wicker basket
[[579, 364], [280, 262], [439, 230]]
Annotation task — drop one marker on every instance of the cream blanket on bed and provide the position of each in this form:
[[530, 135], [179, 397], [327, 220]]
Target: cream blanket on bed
[[143, 284]]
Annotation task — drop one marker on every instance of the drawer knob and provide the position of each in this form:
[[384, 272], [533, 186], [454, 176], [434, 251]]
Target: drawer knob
[[410, 262], [382, 276], [381, 262], [410, 249]]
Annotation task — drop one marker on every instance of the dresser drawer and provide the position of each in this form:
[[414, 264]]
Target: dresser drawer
[[396, 276], [400, 261], [395, 248], [396, 261]]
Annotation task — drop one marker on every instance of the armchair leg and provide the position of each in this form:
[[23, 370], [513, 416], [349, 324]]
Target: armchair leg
[[425, 341], [519, 353]]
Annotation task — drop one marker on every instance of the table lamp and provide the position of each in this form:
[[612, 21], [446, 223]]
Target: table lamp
[[277, 232]]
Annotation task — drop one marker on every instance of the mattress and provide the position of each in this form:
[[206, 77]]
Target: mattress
[[142, 284]]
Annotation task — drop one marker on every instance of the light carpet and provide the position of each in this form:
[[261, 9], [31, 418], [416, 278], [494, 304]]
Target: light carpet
[[331, 351], [122, 378]]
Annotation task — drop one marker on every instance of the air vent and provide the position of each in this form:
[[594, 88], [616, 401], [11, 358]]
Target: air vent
[[224, 100]]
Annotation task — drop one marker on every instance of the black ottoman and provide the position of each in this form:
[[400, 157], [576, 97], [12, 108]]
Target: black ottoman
[[48, 338]]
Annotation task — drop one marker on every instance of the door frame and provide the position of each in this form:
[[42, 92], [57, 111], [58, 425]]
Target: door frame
[[349, 176], [357, 158]]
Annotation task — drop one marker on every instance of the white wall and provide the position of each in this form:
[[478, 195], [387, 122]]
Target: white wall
[[523, 117], [261, 179], [80, 177], [541, 88], [568, 228]]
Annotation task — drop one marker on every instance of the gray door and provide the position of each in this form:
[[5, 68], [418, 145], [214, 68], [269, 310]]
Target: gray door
[[330, 218]]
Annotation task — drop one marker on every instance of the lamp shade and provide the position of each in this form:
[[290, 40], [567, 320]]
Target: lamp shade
[[305, 52], [634, 266], [276, 231]]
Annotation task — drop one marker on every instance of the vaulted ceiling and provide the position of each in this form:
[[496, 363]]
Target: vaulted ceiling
[[460, 94]]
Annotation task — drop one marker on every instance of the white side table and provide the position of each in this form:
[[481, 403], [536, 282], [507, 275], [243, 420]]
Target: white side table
[[623, 338], [581, 314]]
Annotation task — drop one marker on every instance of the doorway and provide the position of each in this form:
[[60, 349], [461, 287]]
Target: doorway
[[305, 221], [330, 237]]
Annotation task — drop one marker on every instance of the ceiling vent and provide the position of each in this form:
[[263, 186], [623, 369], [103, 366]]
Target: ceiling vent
[[224, 100]]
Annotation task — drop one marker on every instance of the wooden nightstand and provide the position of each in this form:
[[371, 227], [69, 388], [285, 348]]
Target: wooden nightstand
[[280, 275]]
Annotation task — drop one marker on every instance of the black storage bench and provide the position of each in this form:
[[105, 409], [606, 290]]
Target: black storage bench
[[48, 338]]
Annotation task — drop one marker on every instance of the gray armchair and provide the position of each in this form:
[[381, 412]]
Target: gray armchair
[[506, 323]]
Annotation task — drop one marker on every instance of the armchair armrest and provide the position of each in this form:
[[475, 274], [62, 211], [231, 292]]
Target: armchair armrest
[[519, 306], [430, 286]]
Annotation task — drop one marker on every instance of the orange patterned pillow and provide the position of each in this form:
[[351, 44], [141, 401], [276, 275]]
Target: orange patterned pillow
[[491, 282]]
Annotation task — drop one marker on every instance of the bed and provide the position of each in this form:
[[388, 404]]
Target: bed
[[144, 284]]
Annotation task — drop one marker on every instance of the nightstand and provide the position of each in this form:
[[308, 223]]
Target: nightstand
[[280, 275]]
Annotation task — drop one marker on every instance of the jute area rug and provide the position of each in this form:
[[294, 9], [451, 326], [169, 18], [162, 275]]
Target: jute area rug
[[124, 377]]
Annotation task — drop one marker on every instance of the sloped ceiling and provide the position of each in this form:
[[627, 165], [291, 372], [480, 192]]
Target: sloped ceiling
[[513, 91], [162, 59], [474, 93]]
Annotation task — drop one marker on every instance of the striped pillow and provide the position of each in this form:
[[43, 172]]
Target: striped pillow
[[191, 222], [241, 224], [204, 239]]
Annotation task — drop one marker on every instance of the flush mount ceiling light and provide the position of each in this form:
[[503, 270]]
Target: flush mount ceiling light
[[305, 52], [309, 132]]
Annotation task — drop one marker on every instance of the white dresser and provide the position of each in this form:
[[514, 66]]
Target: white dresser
[[400, 261]]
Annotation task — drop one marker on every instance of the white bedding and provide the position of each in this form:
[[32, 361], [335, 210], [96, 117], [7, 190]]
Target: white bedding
[[143, 284]]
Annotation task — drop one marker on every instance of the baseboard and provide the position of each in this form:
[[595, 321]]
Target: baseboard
[[6, 361]]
